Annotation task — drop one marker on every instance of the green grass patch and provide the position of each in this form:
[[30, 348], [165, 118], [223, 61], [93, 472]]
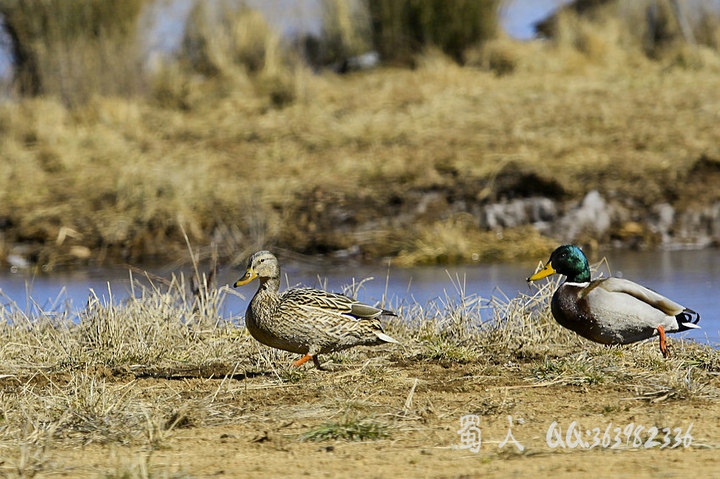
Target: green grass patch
[[348, 430]]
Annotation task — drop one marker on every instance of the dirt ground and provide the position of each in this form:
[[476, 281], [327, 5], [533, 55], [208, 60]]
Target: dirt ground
[[419, 402]]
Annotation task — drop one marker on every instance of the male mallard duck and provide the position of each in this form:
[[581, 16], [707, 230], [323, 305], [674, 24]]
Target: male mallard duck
[[610, 310], [305, 320]]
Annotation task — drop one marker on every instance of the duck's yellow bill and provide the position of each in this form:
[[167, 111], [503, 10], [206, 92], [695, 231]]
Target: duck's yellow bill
[[249, 276], [546, 271]]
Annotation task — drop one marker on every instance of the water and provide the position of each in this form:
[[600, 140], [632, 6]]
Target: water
[[688, 277]]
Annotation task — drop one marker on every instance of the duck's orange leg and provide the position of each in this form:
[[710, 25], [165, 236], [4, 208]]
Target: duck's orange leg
[[663, 344], [303, 360]]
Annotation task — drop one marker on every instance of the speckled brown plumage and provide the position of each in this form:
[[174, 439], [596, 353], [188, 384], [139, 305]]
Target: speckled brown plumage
[[305, 320]]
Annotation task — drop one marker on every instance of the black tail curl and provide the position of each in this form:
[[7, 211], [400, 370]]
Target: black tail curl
[[687, 318]]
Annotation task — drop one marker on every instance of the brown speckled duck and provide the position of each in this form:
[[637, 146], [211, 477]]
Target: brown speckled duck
[[611, 310], [305, 320]]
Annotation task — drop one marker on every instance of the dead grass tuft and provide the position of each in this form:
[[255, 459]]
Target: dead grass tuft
[[236, 52], [75, 49], [459, 240], [622, 32]]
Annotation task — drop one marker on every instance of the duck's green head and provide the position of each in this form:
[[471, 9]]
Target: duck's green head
[[568, 260], [263, 265]]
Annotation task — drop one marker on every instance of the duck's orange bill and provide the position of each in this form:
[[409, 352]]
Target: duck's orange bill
[[249, 276], [546, 271]]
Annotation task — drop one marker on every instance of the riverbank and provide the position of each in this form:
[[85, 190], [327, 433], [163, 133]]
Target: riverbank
[[160, 386], [437, 164]]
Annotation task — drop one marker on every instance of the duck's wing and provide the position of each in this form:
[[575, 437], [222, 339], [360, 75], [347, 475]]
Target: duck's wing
[[624, 286], [341, 316], [332, 302]]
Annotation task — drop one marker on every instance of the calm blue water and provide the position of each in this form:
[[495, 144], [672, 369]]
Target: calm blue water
[[688, 277]]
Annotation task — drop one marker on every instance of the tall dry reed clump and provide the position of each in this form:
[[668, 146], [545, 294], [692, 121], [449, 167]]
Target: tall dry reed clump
[[345, 33], [402, 29], [74, 49], [160, 325], [664, 30], [234, 51]]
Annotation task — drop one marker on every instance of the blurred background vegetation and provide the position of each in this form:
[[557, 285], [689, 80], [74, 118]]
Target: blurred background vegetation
[[74, 49], [246, 137]]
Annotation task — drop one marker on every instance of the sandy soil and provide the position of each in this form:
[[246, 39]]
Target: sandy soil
[[421, 402]]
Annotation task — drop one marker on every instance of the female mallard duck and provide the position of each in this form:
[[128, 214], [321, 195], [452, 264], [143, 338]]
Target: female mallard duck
[[610, 310], [305, 320]]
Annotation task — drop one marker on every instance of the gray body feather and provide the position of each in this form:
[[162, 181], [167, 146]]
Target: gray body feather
[[617, 311]]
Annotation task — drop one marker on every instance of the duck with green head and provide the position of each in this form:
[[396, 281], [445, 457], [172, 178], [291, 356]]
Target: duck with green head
[[305, 320], [610, 310]]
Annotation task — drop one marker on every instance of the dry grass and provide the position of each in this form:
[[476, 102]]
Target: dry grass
[[236, 53], [403, 29], [345, 34], [392, 162], [136, 373], [243, 147], [75, 49], [118, 179], [626, 31], [458, 240]]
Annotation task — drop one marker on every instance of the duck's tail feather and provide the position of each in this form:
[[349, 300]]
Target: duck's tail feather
[[384, 337], [688, 319]]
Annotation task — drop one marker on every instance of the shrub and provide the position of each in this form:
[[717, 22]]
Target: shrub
[[403, 28], [236, 46], [74, 49]]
